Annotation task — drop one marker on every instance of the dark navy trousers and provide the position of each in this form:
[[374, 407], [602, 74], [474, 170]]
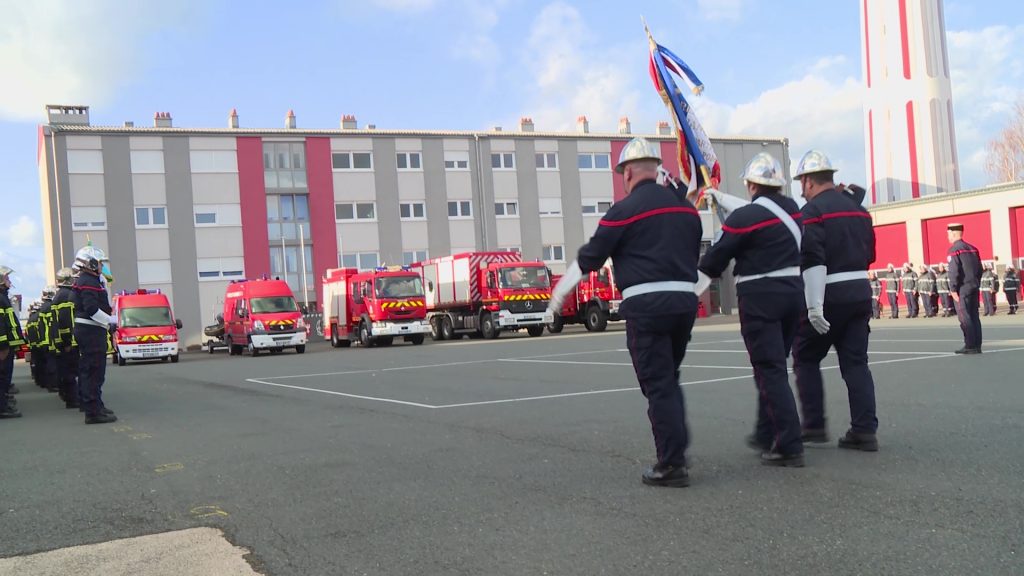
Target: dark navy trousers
[[894, 305], [912, 308], [849, 334], [92, 366], [967, 313], [769, 323], [67, 369], [657, 345], [6, 375]]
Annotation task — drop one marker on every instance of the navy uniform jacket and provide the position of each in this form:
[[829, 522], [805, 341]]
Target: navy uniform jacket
[[876, 289], [892, 283], [910, 281], [760, 243], [652, 235], [1011, 282], [62, 331], [838, 235], [964, 267], [11, 335], [89, 296], [942, 282]]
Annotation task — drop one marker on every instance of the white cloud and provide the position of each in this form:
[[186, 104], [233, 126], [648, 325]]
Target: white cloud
[[21, 250], [23, 234], [474, 42], [720, 9], [74, 52]]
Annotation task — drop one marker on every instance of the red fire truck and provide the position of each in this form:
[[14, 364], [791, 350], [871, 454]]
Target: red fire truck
[[595, 302], [146, 328], [484, 293], [374, 307]]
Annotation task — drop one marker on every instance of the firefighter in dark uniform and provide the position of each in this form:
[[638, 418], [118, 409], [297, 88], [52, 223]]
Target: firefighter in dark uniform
[[942, 285], [47, 362], [876, 296], [92, 320], [62, 334], [653, 237], [32, 339], [910, 289], [964, 283], [988, 290], [838, 245], [926, 287], [764, 239], [892, 290], [1011, 287], [11, 338]]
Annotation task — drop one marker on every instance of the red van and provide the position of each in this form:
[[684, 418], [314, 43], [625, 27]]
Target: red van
[[146, 328], [262, 315]]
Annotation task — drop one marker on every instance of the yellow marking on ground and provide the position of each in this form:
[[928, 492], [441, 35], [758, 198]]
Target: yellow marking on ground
[[171, 467], [122, 428], [207, 511]]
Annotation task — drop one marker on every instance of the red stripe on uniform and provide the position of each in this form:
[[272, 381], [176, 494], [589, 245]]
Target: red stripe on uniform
[[836, 215], [648, 214], [959, 252], [89, 288], [757, 226]]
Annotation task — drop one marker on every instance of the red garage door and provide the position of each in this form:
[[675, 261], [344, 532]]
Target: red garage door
[[890, 248], [977, 231], [1017, 232]]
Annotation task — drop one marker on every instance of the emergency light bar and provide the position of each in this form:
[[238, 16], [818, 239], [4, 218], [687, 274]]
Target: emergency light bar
[[140, 291]]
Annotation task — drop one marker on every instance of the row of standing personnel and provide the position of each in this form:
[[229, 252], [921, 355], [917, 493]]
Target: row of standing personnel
[[930, 287]]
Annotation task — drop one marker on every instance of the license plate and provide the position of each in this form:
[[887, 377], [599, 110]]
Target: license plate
[[150, 354]]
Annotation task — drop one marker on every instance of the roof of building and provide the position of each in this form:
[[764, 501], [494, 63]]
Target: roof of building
[[992, 189]]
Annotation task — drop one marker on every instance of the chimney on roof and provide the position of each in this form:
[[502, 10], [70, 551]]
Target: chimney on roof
[[348, 122], [624, 126], [233, 118], [497, 128], [526, 124], [64, 114], [582, 125], [664, 129], [371, 126], [289, 120], [162, 120], [129, 124]]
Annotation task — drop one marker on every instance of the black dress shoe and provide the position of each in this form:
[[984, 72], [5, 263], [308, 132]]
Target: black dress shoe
[[100, 419], [11, 412], [773, 458], [756, 444], [665, 475], [814, 435], [961, 350], [107, 411], [71, 405], [859, 441], [13, 390]]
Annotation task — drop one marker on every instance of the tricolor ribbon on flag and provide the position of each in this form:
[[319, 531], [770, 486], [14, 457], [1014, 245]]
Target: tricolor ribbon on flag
[[698, 164]]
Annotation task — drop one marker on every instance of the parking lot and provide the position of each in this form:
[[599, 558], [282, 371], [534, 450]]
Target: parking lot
[[523, 456]]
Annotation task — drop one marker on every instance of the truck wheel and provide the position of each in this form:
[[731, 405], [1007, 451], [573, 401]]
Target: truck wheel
[[252, 350], [345, 343], [487, 327], [300, 349], [234, 349], [174, 359], [335, 342], [435, 329], [209, 346], [556, 326], [416, 339], [364, 336], [596, 321], [120, 360], [447, 330], [535, 330]]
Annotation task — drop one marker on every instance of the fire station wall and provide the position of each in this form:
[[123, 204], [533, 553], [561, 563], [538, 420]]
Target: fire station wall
[[509, 233], [87, 189], [529, 199], [414, 237], [386, 182], [354, 186], [890, 246], [152, 244], [463, 236], [977, 231], [219, 242], [149, 189], [1017, 234], [215, 188], [435, 182], [411, 186], [506, 186], [358, 237], [571, 193], [117, 179], [211, 300], [181, 216]]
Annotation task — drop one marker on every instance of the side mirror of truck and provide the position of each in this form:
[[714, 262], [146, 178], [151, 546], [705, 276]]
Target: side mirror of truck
[[177, 324], [219, 318], [243, 313]]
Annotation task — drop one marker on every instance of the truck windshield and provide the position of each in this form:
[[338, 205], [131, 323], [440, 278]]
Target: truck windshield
[[273, 305], [524, 277], [399, 287], [145, 317]]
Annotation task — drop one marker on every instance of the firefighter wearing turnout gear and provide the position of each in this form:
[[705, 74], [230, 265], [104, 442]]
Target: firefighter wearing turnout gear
[[11, 337], [926, 288], [942, 285], [910, 290], [92, 321], [964, 283], [892, 290], [46, 364], [1011, 287], [62, 334], [764, 239], [32, 339], [876, 296], [989, 288], [653, 238], [838, 245]]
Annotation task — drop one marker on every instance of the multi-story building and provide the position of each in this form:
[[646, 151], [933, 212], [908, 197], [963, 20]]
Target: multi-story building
[[186, 210]]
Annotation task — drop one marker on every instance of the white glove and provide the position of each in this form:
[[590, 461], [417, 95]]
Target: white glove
[[728, 202], [703, 282], [573, 275], [814, 294], [104, 318]]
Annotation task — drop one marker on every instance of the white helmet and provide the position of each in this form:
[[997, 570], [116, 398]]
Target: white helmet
[[814, 161], [764, 169], [65, 277], [5, 275], [49, 292], [637, 149], [90, 259]]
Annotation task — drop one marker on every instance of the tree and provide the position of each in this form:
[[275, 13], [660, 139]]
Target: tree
[[1005, 161]]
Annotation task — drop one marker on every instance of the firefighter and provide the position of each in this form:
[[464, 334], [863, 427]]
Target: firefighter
[[63, 336], [964, 283], [838, 245], [47, 348], [92, 321], [11, 337], [986, 290], [909, 281], [925, 287], [876, 296], [942, 286], [892, 290], [1011, 287], [32, 339], [764, 239], [653, 237]]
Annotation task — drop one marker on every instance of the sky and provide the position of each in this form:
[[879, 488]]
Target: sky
[[775, 69]]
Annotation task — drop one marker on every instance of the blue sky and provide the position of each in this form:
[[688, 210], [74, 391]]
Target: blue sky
[[782, 69]]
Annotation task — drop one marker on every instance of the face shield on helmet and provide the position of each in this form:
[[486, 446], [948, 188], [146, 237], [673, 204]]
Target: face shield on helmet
[[637, 149], [764, 169]]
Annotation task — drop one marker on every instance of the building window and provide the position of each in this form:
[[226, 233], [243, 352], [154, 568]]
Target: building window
[[547, 161], [147, 161], [286, 213], [88, 218], [211, 269], [554, 253], [456, 160], [413, 256], [409, 161], [460, 209], [594, 162], [360, 260], [286, 264], [506, 209], [206, 218], [412, 210], [503, 161], [550, 206], [217, 215], [366, 211], [213, 161], [596, 207], [85, 162], [150, 217], [352, 161], [514, 249], [284, 165]]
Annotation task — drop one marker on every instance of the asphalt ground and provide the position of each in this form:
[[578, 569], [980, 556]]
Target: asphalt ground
[[523, 456]]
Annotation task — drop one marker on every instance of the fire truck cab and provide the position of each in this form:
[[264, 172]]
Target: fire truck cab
[[146, 328], [374, 307], [595, 301], [262, 315]]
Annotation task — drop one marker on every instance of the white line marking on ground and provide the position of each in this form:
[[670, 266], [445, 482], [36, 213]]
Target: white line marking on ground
[[371, 370], [345, 394], [630, 364]]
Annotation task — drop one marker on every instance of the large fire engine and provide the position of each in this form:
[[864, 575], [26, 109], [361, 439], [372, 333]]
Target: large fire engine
[[373, 307], [484, 293], [595, 302]]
